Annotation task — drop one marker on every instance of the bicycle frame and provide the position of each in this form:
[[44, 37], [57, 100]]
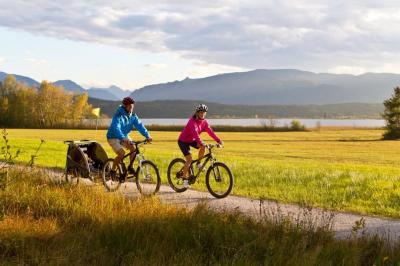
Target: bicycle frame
[[208, 157], [138, 155]]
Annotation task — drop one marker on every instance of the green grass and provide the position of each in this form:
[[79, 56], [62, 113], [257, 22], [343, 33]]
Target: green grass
[[348, 170], [43, 223]]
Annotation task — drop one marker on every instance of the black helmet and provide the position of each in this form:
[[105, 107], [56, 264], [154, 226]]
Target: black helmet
[[202, 108]]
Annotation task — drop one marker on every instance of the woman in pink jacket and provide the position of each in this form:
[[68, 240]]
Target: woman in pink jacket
[[190, 137]]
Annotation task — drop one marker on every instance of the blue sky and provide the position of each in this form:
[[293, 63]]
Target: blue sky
[[136, 43]]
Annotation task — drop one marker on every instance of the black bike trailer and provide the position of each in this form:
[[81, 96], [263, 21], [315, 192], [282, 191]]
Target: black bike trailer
[[85, 158]]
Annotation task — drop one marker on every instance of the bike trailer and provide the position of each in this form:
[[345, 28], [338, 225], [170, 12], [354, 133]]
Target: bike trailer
[[85, 158]]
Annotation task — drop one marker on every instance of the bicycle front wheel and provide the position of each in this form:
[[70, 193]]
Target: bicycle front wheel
[[148, 179], [111, 180], [219, 180]]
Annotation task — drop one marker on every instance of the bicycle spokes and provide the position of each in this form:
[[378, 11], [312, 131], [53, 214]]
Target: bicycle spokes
[[148, 179], [111, 178], [217, 174], [219, 180]]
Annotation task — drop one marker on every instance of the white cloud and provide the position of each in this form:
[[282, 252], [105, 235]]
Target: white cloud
[[2, 60], [347, 70], [316, 35], [36, 61], [155, 65]]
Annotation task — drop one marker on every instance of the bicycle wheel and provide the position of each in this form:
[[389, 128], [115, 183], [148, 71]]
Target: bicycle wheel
[[111, 182], [219, 180], [148, 179], [174, 180]]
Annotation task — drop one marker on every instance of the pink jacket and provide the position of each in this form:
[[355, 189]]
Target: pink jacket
[[193, 129]]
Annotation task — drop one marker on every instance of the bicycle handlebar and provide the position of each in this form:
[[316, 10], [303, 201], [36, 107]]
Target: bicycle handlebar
[[210, 146], [141, 142]]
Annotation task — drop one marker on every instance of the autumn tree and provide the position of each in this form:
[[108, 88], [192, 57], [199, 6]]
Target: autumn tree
[[79, 106], [48, 106]]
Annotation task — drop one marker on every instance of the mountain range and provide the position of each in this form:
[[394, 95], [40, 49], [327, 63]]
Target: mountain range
[[281, 86], [257, 87], [111, 93]]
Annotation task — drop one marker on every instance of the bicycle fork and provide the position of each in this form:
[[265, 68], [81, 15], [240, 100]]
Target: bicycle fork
[[145, 170], [215, 169]]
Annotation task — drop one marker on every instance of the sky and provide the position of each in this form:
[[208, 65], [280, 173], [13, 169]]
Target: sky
[[136, 43]]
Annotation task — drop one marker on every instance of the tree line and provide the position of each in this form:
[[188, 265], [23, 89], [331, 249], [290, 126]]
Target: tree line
[[47, 106]]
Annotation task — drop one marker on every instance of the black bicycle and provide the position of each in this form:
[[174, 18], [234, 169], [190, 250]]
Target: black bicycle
[[219, 178], [146, 175]]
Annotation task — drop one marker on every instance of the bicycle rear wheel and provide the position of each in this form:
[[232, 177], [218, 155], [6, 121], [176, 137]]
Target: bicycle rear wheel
[[219, 180], [148, 179], [173, 174], [110, 180]]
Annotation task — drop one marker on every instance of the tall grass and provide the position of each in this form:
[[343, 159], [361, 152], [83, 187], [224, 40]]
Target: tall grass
[[44, 223]]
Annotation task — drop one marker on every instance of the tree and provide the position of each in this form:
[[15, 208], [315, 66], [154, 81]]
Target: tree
[[52, 105], [78, 108], [24, 110], [48, 106], [392, 115], [8, 92]]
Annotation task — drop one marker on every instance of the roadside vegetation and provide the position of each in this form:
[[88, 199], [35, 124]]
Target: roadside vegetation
[[47, 223]]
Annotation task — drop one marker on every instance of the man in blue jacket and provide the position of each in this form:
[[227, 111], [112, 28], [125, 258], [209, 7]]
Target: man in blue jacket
[[122, 124]]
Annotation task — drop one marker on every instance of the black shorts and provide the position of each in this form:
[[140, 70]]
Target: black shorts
[[185, 147]]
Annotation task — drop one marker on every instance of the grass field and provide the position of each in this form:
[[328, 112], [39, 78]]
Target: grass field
[[349, 170]]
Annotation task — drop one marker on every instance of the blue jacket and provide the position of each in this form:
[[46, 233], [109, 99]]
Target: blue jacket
[[123, 123]]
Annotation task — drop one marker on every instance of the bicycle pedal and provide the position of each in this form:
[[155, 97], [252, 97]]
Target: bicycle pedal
[[179, 174], [192, 180]]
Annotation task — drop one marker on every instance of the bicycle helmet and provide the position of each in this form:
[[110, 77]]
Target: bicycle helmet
[[128, 100], [201, 108]]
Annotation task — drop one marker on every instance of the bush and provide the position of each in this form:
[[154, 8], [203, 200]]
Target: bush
[[296, 125]]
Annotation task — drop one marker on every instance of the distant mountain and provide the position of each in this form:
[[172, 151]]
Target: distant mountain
[[257, 87], [285, 86], [70, 85], [183, 109], [101, 94], [27, 80], [120, 93], [112, 93]]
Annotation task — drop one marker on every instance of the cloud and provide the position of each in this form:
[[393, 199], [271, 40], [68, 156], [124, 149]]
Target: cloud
[[36, 61], [2, 60], [155, 66], [316, 35]]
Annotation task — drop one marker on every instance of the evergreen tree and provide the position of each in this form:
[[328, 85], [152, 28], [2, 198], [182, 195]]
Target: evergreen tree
[[392, 115]]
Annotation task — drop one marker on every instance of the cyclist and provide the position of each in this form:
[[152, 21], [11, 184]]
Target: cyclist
[[190, 137], [122, 124]]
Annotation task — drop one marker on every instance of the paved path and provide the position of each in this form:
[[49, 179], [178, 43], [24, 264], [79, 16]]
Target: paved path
[[342, 223]]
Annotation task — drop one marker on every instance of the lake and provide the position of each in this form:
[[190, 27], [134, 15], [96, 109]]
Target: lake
[[310, 123]]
